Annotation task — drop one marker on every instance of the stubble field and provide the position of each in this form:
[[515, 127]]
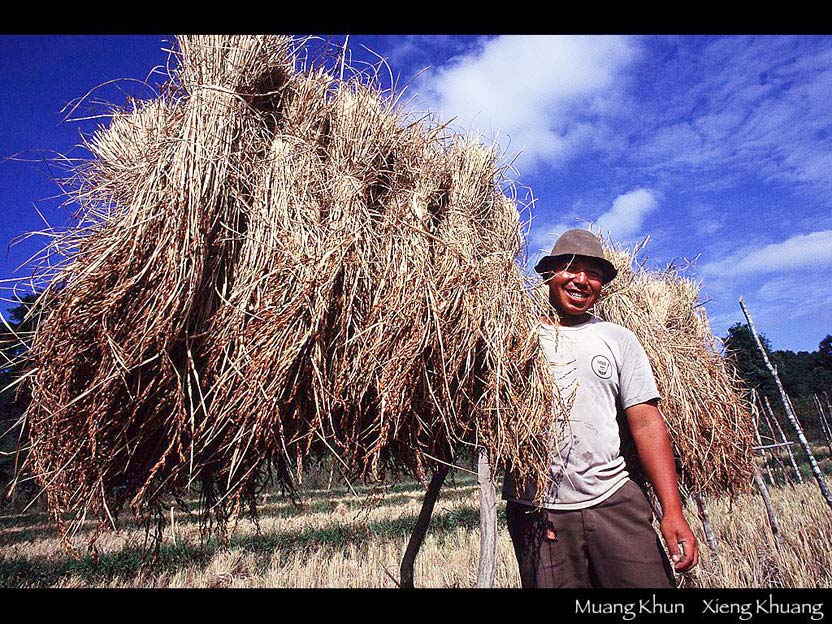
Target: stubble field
[[338, 539]]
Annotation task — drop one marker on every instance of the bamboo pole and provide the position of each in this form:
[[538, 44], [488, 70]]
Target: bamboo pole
[[421, 527], [777, 456], [772, 515], [789, 411], [760, 444], [331, 477], [488, 522], [705, 518], [794, 412], [828, 407], [828, 411], [758, 479], [775, 445], [823, 424], [783, 439]]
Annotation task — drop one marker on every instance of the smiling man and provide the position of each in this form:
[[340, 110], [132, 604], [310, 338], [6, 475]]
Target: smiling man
[[593, 526]]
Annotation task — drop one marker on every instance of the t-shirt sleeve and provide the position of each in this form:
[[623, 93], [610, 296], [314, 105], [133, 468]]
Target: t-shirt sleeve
[[637, 384]]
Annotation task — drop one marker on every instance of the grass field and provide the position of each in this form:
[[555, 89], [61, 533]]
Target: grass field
[[340, 540]]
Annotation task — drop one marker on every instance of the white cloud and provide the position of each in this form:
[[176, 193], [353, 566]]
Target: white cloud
[[627, 214], [418, 50], [803, 250], [539, 94], [704, 218]]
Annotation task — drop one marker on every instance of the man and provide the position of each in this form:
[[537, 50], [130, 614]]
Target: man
[[593, 526]]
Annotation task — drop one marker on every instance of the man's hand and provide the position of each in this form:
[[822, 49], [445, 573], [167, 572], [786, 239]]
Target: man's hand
[[676, 531]]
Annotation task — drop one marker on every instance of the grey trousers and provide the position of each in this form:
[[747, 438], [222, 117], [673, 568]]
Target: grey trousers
[[612, 544]]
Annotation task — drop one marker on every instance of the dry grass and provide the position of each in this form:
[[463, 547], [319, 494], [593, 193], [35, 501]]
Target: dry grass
[[337, 541], [747, 553]]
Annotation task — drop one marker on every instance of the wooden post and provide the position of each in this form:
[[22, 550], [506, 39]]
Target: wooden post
[[783, 439], [710, 535], [488, 522], [823, 424], [789, 411], [756, 409], [774, 438], [760, 443], [331, 477], [794, 413], [654, 503], [421, 527], [828, 407], [772, 516], [828, 411], [172, 526]]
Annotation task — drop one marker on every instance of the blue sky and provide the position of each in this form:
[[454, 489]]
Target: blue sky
[[718, 147]]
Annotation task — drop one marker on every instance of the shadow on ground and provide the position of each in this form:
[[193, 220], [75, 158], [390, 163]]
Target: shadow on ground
[[127, 563]]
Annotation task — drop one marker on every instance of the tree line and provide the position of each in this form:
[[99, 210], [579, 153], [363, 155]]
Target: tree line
[[803, 374]]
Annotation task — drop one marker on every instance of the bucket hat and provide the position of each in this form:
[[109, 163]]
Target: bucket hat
[[577, 243]]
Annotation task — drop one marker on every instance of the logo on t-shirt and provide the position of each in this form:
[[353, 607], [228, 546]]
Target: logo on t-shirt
[[601, 366]]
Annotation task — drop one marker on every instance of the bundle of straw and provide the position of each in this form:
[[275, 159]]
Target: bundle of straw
[[272, 264], [708, 419]]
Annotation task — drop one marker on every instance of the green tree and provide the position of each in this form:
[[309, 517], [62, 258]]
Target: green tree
[[802, 374], [825, 350], [741, 350]]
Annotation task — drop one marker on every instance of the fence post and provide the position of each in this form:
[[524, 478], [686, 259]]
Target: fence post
[[488, 522], [789, 411]]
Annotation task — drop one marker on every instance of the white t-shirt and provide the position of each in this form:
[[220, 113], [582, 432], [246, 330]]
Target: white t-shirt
[[597, 366]]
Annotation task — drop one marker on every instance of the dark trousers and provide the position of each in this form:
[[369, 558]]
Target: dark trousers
[[612, 544]]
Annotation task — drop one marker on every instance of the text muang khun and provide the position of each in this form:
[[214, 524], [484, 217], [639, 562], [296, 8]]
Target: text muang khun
[[630, 610]]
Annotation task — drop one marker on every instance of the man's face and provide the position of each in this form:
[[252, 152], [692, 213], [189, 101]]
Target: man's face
[[574, 287]]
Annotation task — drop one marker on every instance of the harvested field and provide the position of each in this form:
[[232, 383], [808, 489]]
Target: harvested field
[[337, 542]]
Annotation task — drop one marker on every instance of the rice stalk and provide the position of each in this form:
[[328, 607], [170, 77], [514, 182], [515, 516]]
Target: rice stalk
[[273, 264]]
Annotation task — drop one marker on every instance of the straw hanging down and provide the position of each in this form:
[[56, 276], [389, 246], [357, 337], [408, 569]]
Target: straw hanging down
[[709, 422], [280, 265], [109, 412]]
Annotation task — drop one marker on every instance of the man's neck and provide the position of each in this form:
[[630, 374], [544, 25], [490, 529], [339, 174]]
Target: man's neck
[[565, 320], [572, 321]]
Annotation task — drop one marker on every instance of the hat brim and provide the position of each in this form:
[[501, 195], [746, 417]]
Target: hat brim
[[546, 265]]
